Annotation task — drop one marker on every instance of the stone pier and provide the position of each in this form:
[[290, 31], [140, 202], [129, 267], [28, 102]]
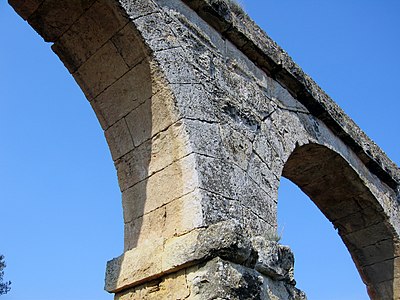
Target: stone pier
[[203, 114]]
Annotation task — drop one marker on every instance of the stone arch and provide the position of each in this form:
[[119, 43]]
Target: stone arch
[[115, 66], [345, 199], [199, 124]]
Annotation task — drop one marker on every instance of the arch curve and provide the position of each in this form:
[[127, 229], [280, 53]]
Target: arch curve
[[190, 153], [342, 196], [112, 59]]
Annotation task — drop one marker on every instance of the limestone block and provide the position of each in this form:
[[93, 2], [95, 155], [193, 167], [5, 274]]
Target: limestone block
[[153, 155], [124, 95], [277, 290], [385, 271], [258, 171], [184, 214], [235, 146], [221, 279], [180, 250], [138, 8], [119, 139], [130, 45], [54, 17], [359, 220], [134, 266], [144, 229], [367, 236], [172, 286], [161, 188], [89, 33], [194, 102], [256, 225], [230, 181], [217, 208], [274, 260], [25, 8], [140, 122], [205, 137], [174, 219], [152, 117], [100, 71], [176, 67], [223, 239], [380, 251], [158, 37], [265, 151]]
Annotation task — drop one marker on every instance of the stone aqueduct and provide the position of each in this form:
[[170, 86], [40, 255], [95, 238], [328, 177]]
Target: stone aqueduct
[[203, 114]]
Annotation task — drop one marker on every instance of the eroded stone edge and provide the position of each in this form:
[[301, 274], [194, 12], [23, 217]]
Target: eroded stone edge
[[261, 49], [223, 240]]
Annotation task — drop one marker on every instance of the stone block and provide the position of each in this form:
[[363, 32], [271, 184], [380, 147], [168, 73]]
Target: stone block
[[380, 251], [138, 8], [176, 66], [204, 137], [119, 139], [274, 260], [171, 286], [259, 172], [255, 225], [387, 270], [89, 33], [160, 114], [161, 188], [53, 17], [174, 219], [367, 236], [194, 102], [124, 95], [235, 146], [100, 71], [153, 155], [217, 208], [184, 214], [223, 239], [157, 36], [25, 8], [130, 45], [144, 229], [134, 266]]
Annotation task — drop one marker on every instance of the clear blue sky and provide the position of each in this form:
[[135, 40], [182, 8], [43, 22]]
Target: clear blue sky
[[61, 216]]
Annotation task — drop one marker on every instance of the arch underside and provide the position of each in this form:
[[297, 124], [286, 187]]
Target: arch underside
[[334, 186]]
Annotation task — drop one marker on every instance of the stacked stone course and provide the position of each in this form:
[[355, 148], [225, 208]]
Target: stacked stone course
[[203, 114]]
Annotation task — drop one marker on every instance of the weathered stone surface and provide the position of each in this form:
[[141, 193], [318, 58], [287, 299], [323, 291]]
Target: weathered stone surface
[[123, 41], [89, 33], [219, 278], [124, 95], [120, 138], [173, 182], [25, 8], [274, 260], [146, 261], [53, 17], [100, 71], [203, 114]]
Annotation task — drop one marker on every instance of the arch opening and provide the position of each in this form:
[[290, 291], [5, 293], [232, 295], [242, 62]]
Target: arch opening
[[321, 258], [345, 200]]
